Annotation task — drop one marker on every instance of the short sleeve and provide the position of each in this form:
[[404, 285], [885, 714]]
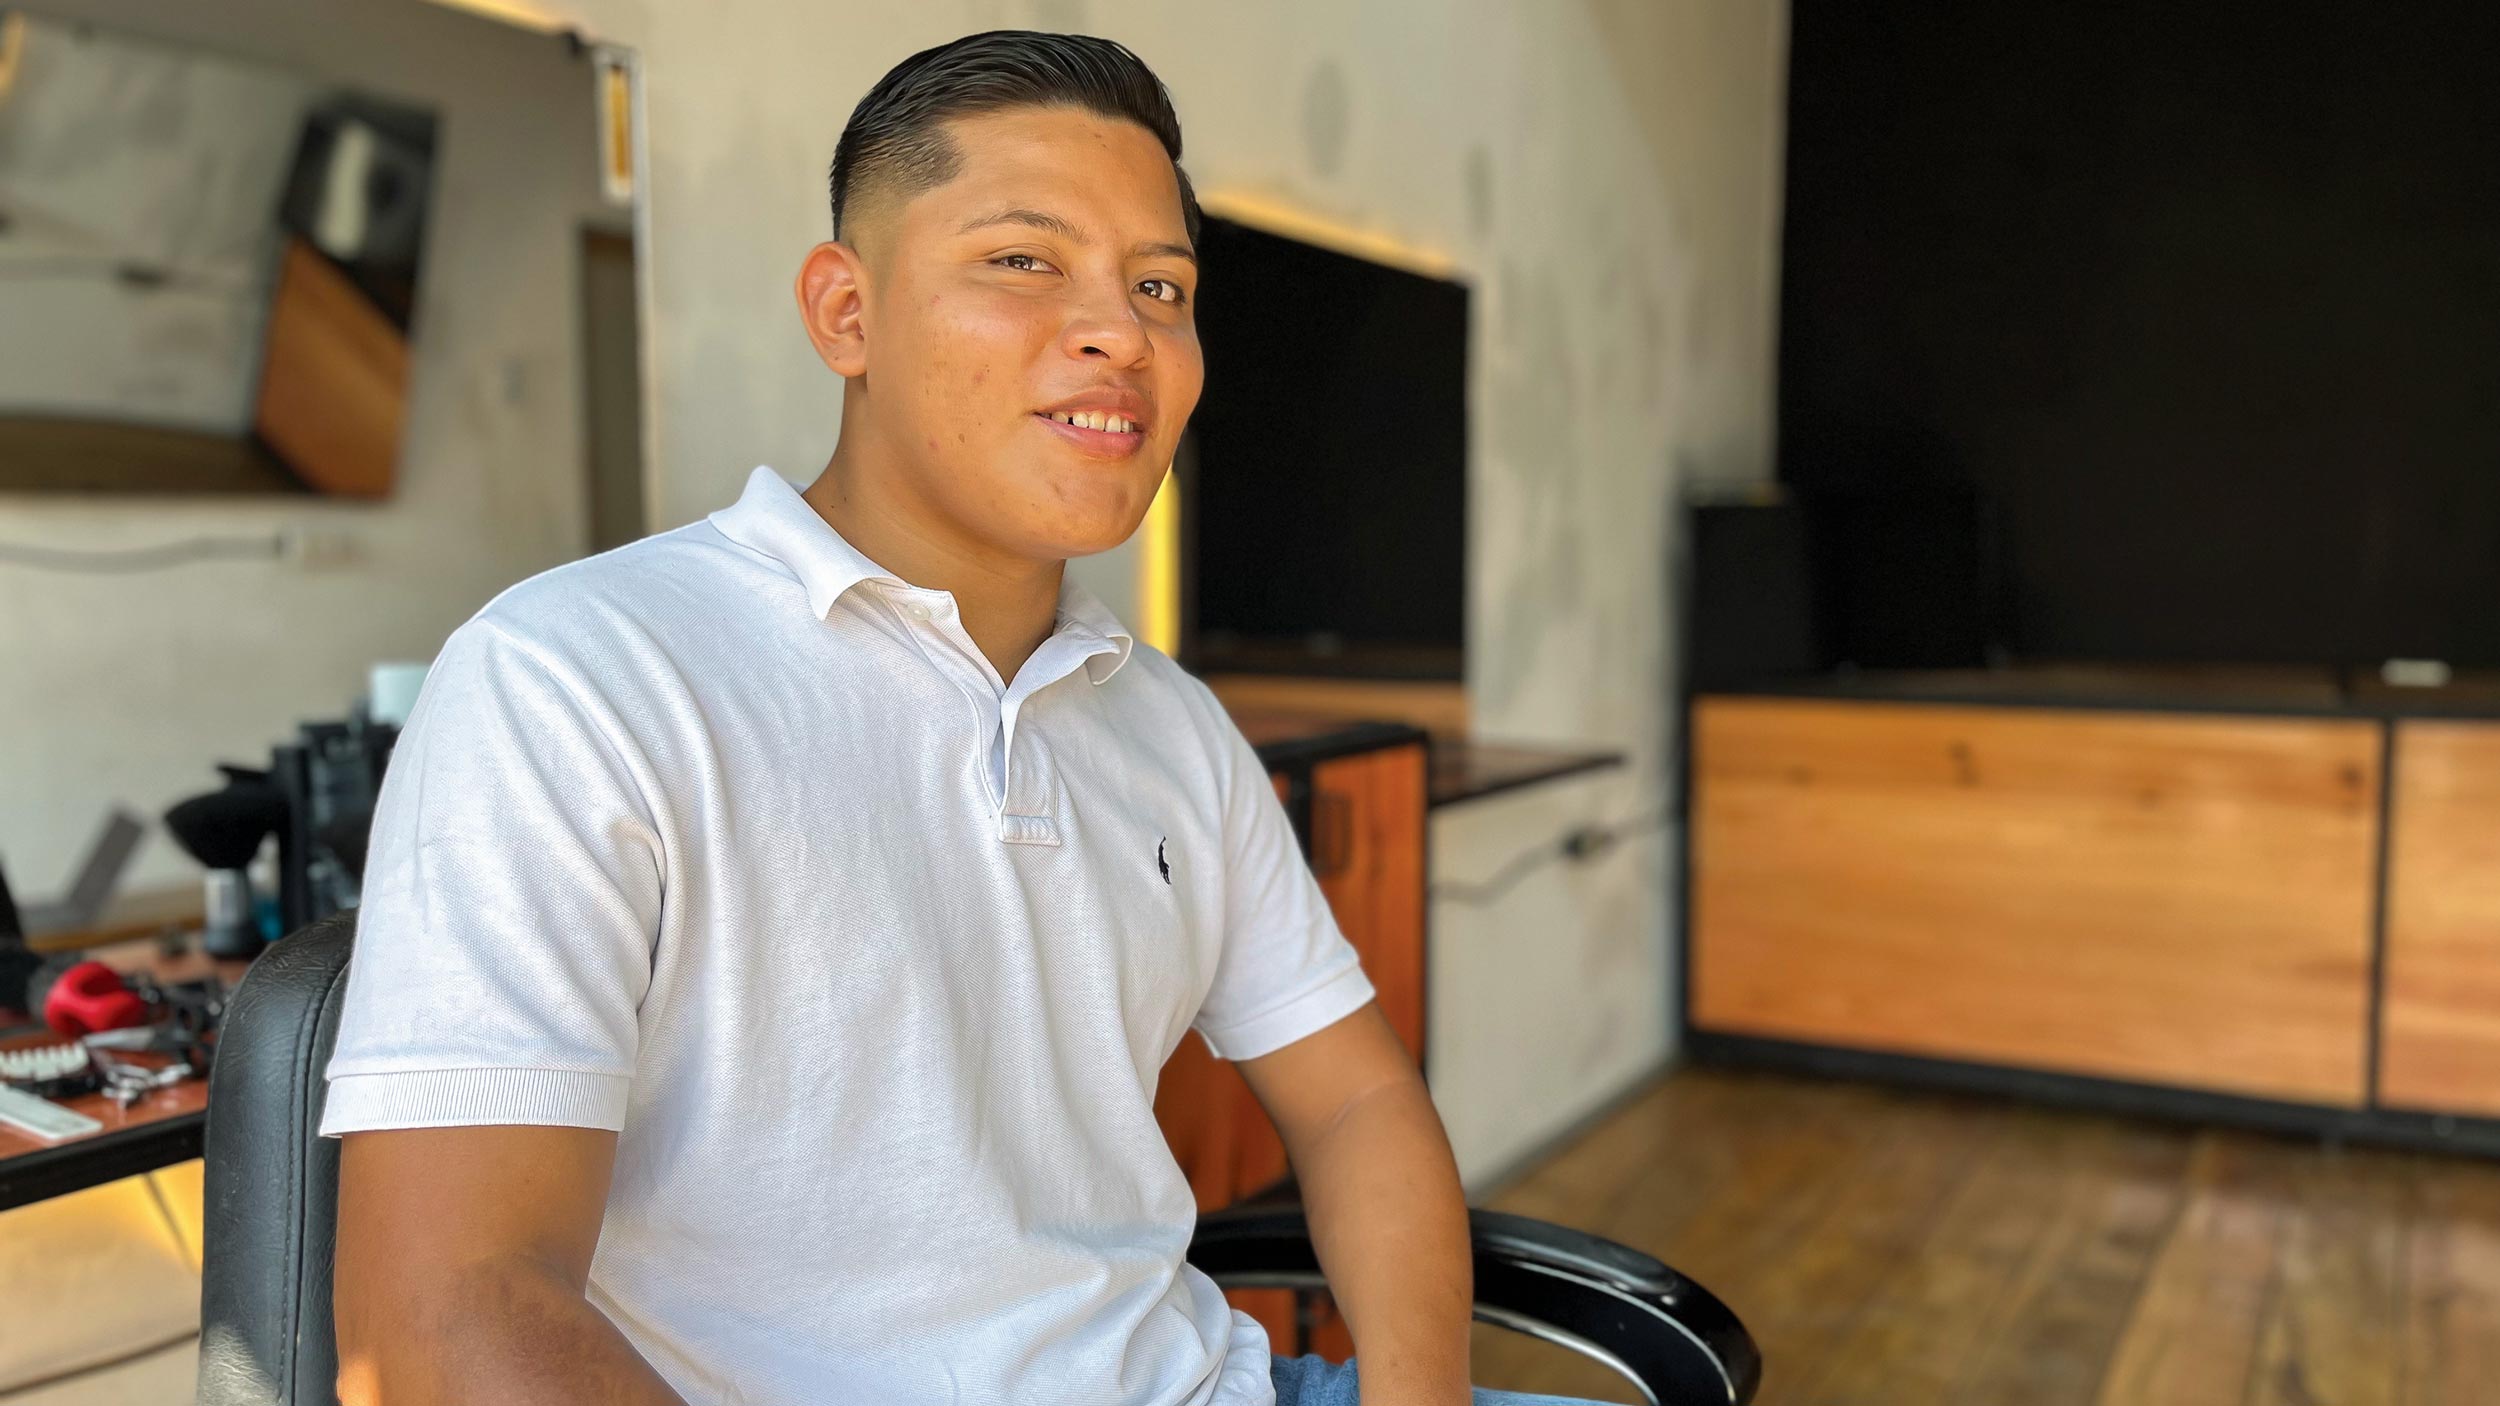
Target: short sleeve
[[509, 909], [1286, 971]]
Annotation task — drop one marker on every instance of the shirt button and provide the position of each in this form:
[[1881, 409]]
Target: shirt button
[[918, 611]]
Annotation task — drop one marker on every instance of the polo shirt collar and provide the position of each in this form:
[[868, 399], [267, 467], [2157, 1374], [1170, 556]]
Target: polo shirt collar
[[773, 518], [1082, 615]]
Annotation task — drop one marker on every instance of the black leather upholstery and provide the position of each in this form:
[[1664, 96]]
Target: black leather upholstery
[[1658, 1329], [272, 1184], [272, 1210]]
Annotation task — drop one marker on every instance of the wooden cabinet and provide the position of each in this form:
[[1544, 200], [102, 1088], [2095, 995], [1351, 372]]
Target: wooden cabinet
[[2440, 1026], [1362, 814], [2159, 898], [1367, 847]]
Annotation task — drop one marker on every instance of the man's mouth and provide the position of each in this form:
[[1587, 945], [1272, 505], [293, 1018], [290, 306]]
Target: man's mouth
[[1102, 420], [1098, 434]]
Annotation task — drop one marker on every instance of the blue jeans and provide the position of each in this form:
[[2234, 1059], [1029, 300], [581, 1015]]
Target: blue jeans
[[1315, 1381]]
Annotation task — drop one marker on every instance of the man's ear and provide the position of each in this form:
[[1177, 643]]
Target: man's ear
[[832, 293]]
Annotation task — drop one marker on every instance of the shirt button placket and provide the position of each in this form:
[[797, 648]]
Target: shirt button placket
[[1033, 794], [943, 650]]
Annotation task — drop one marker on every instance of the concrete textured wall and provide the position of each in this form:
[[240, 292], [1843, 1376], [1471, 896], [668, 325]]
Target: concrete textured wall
[[127, 688], [1605, 173]]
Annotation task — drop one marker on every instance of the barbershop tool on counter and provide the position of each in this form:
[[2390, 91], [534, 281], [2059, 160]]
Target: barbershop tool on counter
[[89, 1001], [78, 1067], [331, 775], [124, 1035], [224, 830], [88, 998], [42, 1117], [317, 796], [63, 1070]]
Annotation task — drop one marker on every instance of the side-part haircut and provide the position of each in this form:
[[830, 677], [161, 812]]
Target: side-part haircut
[[896, 141]]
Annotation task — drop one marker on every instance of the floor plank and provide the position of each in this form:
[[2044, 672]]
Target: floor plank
[[2451, 1349], [2024, 1287], [2192, 1339], [1898, 1248], [2335, 1323]]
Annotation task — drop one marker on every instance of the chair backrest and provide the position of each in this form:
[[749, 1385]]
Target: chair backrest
[[272, 1184]]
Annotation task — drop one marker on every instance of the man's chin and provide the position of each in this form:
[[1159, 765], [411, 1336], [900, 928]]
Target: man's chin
[[1094, 517], [1094, 542]]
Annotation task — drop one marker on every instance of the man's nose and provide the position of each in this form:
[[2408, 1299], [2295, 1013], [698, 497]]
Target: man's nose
[[1106, 326]]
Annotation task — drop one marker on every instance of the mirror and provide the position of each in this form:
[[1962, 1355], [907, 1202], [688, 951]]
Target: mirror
[[224, 222], [207, 270]]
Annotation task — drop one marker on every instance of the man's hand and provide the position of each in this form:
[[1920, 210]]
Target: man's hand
[[1386, 1211], [462, 1258]]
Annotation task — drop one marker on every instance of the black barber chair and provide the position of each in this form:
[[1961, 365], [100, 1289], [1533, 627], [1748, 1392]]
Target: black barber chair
[[265, 1336]]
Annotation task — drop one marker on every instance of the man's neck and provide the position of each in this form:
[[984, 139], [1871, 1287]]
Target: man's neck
[[1009, 605]]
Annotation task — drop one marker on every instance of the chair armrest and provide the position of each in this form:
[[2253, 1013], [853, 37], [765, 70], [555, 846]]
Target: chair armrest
[[1666, 1334]]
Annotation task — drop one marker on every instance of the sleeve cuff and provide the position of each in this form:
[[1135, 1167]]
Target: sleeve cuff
[[460, 1098], [1307, 1014]]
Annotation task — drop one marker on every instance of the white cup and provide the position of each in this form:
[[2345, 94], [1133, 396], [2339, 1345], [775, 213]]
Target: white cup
[[393, 691]]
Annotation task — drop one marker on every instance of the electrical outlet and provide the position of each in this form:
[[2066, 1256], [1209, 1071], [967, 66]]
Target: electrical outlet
[[1588, 842]]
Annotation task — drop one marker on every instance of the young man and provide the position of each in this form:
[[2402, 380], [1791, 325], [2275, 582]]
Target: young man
[[774, 928]]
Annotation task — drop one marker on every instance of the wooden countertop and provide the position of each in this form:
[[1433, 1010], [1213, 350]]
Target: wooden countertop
[[2300, 692], [163, 1127], [1288, 738], [1462, 770]]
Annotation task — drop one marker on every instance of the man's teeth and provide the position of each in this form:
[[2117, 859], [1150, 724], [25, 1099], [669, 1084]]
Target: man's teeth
[[1095, 420]]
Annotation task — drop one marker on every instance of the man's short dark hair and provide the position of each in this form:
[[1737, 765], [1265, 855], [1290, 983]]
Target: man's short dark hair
[[897, 141]]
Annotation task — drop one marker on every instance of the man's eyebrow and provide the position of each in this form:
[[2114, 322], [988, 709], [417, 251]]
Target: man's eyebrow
[[1049, 223], [1036, 219]]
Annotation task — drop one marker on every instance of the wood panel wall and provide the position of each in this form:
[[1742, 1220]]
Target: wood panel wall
[[2440, 1026], [2164, 898]]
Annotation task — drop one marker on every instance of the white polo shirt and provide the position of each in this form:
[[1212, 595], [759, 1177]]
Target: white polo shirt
[[732, 842]]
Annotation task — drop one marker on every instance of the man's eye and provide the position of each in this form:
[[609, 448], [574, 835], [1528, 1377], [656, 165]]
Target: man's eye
[[1171, 291], [1031, 263]]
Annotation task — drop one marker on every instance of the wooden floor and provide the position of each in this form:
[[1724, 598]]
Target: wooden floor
[[1899, 1248]]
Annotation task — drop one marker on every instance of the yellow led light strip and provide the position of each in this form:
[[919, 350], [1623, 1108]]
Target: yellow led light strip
[[1159, 569], [514, 12], [1277, 217], [12, 44]]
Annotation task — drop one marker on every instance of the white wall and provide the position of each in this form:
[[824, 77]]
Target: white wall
[[1551, 1000], [1605, 173], [127, 688]]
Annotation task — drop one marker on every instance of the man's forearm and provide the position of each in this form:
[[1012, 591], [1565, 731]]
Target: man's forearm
[[1390, 1223], [509, 1333]]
